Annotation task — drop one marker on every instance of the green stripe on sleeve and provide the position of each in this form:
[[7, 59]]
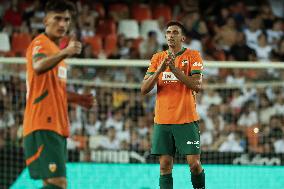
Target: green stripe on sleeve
[[150, 73], [39, 55], [41, 97], [195, 72]]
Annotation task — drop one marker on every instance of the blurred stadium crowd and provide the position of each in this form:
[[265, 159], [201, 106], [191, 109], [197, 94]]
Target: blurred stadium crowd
[[233, 119]]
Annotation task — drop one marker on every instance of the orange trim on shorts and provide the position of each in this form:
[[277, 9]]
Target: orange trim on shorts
[[35, 156]]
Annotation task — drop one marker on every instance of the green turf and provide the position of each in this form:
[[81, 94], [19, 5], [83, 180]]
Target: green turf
[[146, 176]]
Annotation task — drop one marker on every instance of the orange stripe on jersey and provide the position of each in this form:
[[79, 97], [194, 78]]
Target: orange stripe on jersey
[[35, 156], [175, 103]]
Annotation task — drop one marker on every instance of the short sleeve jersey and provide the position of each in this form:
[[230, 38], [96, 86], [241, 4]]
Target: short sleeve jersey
[[46, 99], [175, 103]]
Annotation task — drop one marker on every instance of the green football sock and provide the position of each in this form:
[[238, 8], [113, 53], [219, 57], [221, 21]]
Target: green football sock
[[51, 186], [166, 181], [198, 181]]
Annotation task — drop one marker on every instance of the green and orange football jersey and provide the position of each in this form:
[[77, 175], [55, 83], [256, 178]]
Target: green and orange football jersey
[[46, 105], [175, 103]]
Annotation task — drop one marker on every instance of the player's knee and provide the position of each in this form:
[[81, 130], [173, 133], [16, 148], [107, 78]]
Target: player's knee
[[195, 167], [166, 166], [60, 182]]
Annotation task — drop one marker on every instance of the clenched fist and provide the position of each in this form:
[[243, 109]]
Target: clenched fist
[[74, 47]]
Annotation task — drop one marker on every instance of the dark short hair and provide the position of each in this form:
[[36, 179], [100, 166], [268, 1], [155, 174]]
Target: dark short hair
[[177, 23], [60, 6]]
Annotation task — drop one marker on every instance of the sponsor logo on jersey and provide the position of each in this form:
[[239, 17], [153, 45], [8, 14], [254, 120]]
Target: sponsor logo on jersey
[[197, 64], [169, 76], [193, 142]]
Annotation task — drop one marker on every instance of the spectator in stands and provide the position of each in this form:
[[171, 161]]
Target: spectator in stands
[[226, 35], [275, 33], [233, 143], [236, 78], [142, 127], [87, 21], [75, 122], [262, 49], [149, 46], [36, 15], [115, 121], [12, 15], [87, 51], [192, 43], [252, 32], [278, 53], [195, 25], [211, 97], [265, 109], [93, 125], [240, 50], [248, 116], [125, 133], [278, 142], [214, 121], [110, 142], [135, 141], [206, 137]]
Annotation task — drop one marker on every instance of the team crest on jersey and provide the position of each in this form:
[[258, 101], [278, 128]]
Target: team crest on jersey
[[184, 62], [52, 167]]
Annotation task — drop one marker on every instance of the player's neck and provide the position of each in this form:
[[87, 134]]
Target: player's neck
[[52, 38], [175, 49]]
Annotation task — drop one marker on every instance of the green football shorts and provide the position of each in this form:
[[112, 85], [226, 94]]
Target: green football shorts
[[45, 154], [169, 138]]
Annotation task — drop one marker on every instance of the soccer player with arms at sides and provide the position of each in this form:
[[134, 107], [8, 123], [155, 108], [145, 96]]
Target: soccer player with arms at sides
[[177, 73], [46, 123]]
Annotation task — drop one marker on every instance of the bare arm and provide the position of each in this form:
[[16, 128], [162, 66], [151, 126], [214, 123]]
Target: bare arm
[[44, 64], [84, 100], [149, 82], [193, 82]]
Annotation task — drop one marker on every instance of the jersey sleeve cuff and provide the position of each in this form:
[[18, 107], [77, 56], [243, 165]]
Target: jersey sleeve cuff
[[150, 73], [38, 56], [195, 72]]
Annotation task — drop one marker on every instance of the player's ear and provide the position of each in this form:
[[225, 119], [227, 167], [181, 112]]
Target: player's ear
[[45, 20], [183, 38]]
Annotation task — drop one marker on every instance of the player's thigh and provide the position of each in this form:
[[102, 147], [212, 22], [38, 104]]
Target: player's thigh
[[187, 138], [162, 140], [45, 154]]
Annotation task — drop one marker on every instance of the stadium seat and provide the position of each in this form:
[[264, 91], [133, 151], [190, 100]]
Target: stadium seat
[[162, 11], [5, 43], [99, 8], [20, 43], [141, 12], [148, 25], [129, 28], [95, 42], [110, 44], [118, 11], [106, 27]]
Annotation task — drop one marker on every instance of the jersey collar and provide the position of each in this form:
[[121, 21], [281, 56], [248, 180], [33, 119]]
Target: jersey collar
[[179, 53]]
